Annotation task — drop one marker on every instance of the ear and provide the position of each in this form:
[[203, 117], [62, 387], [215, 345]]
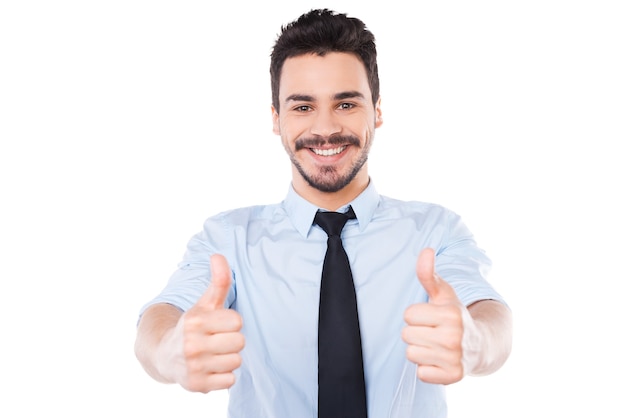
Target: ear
[[379, 113], [275, 121]]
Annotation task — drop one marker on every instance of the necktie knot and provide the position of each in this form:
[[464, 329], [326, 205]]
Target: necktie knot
[[333, 222]]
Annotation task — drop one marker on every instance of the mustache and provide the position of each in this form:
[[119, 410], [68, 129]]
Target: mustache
[[302, 143]]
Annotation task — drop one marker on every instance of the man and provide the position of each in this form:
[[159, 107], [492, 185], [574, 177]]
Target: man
[[243, 309]]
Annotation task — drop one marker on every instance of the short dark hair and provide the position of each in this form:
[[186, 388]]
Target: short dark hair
[[321, 31]]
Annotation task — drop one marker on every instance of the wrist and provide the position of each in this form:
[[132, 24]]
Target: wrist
[[472, 345]]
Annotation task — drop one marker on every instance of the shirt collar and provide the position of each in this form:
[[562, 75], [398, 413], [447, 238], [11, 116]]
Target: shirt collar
[[301, 212]]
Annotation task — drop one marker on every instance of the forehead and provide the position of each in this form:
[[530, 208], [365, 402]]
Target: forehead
[[323, 76]]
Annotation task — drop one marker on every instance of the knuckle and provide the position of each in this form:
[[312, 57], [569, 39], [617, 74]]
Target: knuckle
[[194, 368], [240, 342], [192, 322], [236, 361], [412, 353], [407, 335], [456, 374], [196, 384], [237, 321], [409, 314]]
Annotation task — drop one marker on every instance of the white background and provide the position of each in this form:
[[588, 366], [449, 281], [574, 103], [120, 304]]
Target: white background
[[124, 124]]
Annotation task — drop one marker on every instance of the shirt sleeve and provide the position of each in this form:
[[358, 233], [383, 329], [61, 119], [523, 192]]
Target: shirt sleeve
[[463, 264], [193, 275]]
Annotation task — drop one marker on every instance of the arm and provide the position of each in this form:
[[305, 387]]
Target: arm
[[156, 321], [494, 323], [198, 349]]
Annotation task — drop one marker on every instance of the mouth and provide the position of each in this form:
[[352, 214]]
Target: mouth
[[327, 147], [328, 152]]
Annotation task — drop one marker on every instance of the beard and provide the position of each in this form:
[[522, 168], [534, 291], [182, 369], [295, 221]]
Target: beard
[[328, 179]]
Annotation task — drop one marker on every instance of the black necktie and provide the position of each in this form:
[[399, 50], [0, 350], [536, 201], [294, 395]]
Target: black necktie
[[340, 369]]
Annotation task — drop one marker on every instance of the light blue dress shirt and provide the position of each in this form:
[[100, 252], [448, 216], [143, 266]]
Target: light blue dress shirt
[[276, 254]]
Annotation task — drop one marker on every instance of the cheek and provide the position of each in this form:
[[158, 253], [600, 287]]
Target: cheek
[[364, 129], [291, 129]]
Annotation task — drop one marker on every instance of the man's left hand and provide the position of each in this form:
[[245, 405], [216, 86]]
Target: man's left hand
[[442, 338]]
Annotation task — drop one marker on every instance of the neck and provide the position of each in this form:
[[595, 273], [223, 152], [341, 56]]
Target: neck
[[335, 200]]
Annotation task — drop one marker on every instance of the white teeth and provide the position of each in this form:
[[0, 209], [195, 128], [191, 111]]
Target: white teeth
[[328, 152]]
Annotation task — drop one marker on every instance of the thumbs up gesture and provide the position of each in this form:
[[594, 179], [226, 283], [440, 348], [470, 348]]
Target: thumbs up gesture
[[442, 338], [202, 351]]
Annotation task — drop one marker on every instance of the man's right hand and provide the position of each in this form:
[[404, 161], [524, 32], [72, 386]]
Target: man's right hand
[[201, 352]]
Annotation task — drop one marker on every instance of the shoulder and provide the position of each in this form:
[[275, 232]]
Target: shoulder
[[219, 230], [245, 215], [421, 216], [412, 209]]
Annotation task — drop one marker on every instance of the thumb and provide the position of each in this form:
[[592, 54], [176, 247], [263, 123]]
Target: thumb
[[438, 290], [215, 295]]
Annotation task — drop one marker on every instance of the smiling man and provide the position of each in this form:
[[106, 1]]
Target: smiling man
[[252, 302]]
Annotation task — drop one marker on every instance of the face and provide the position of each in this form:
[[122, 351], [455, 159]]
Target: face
[[326, 119]]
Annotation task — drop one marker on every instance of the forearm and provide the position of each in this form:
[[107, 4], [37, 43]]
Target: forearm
[[494, 322], [156, 321]]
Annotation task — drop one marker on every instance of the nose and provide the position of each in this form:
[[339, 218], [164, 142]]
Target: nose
[[325, 123]]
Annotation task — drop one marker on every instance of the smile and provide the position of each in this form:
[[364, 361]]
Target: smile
[[328, 152]]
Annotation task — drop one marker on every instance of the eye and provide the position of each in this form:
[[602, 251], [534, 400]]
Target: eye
[[302, 108], [346, 106]]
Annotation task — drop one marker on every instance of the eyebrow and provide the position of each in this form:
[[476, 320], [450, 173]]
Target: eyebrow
[[299, 98], [339, 96], [349, 95]]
